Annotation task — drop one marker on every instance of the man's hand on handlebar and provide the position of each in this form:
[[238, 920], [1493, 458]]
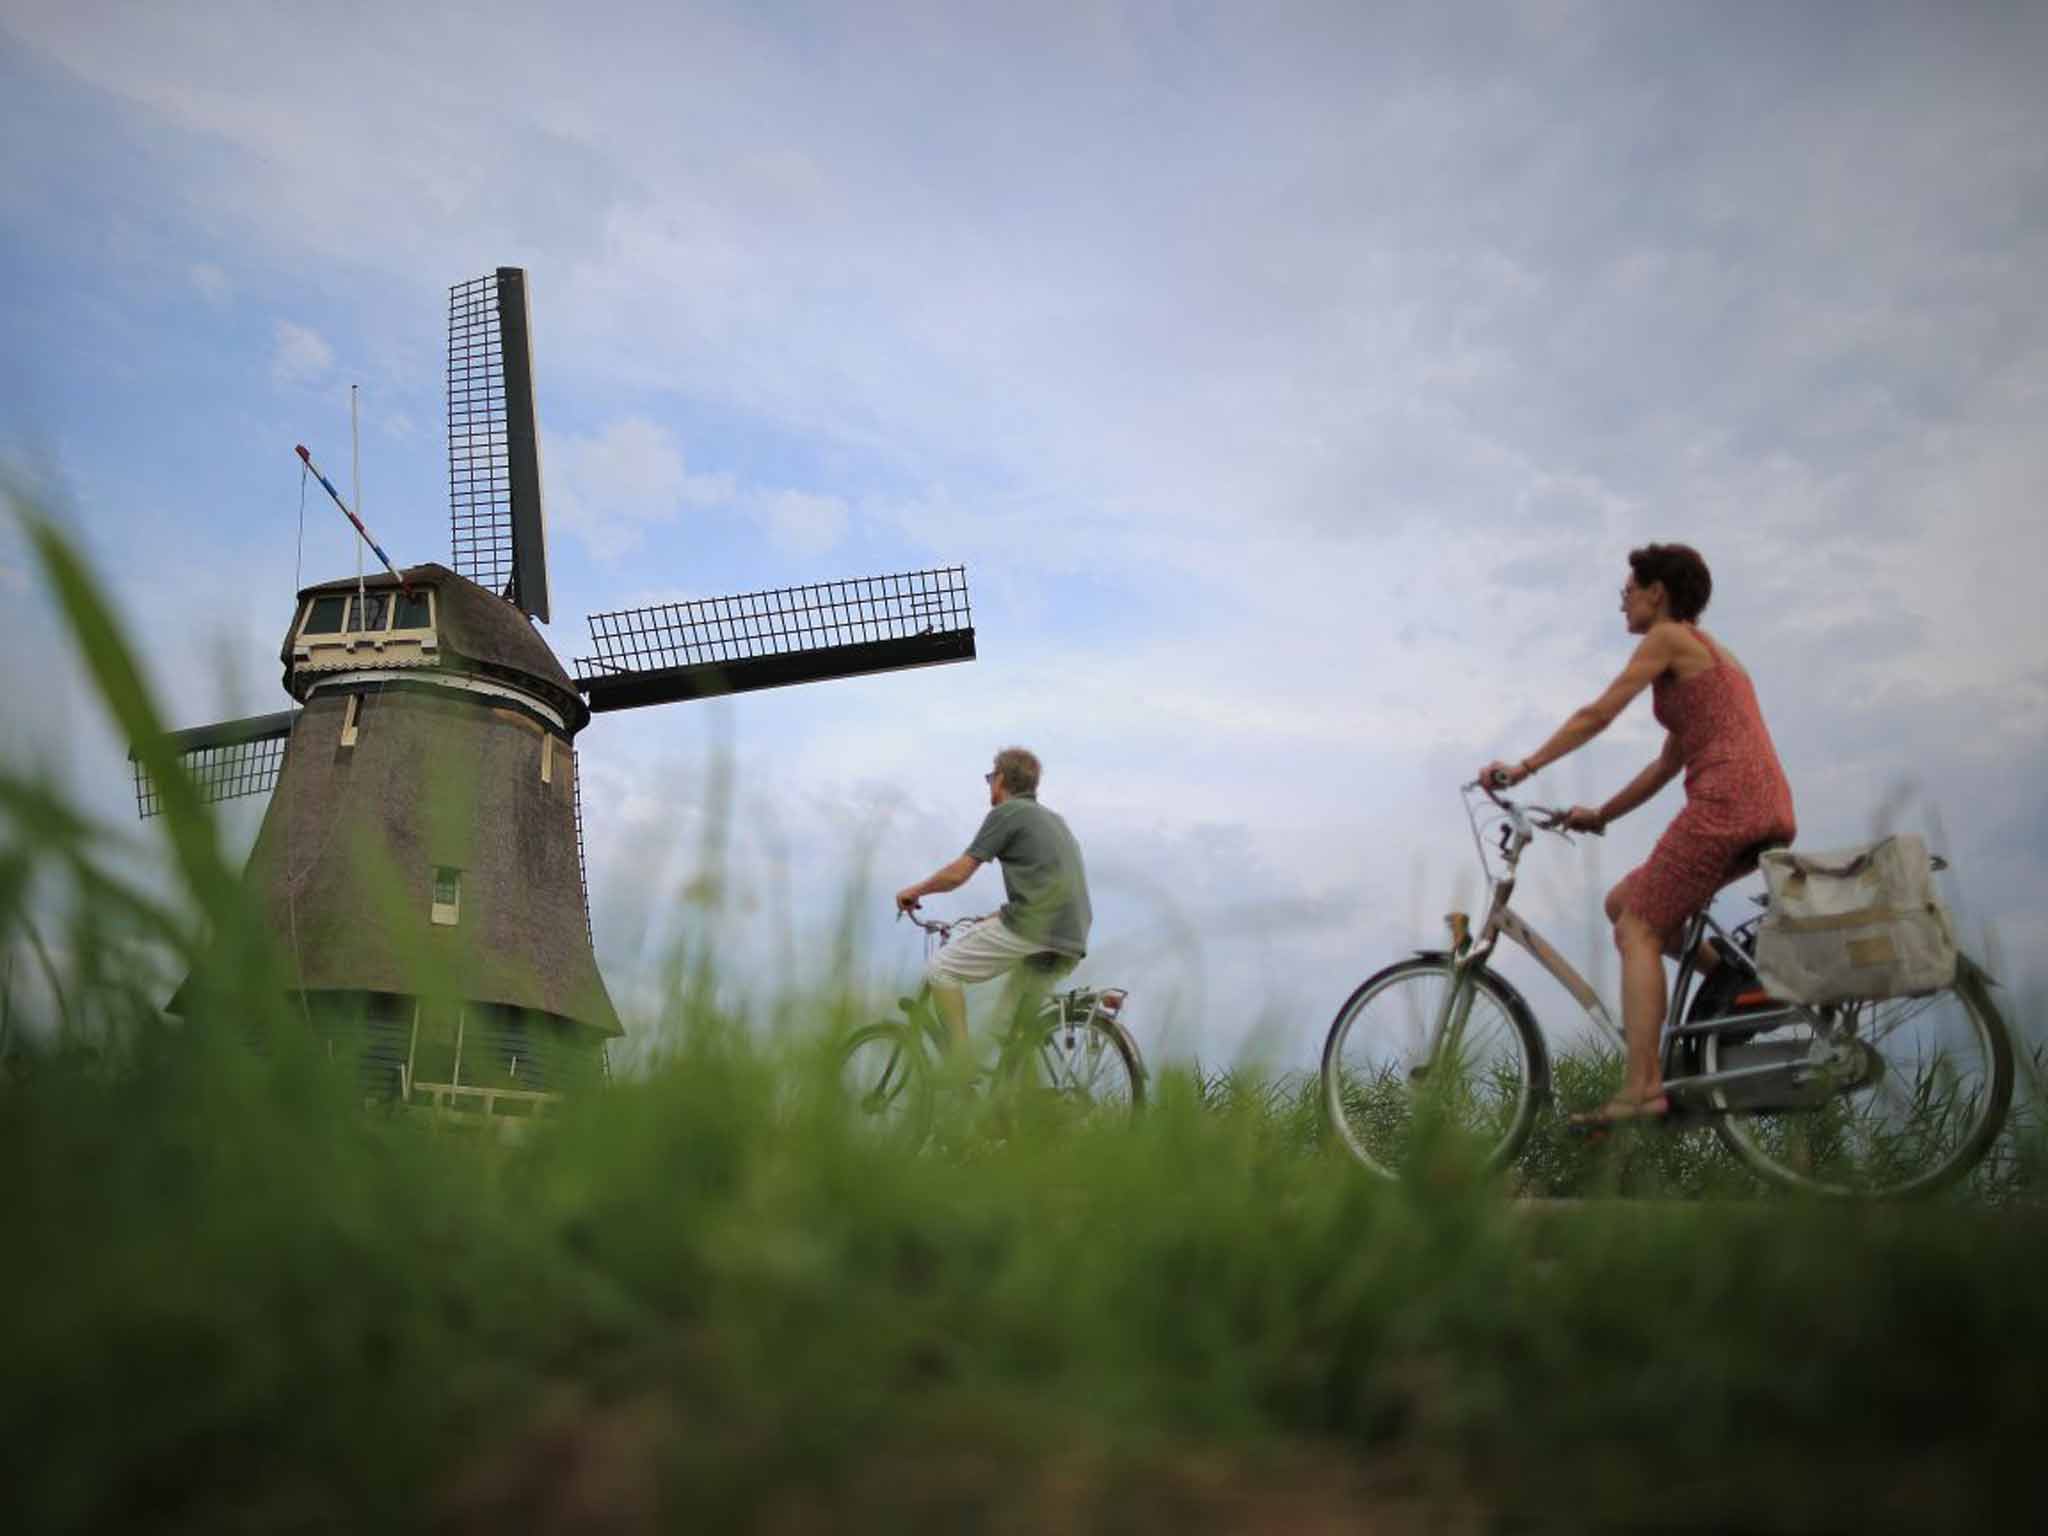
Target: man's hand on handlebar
[[908, 898]]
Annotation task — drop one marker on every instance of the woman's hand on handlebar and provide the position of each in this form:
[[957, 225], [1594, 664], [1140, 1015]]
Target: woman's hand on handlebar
[[1583, 818], [1499, 775]]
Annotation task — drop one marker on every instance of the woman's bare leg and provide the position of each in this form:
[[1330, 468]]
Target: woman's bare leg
[[1642, 1004]]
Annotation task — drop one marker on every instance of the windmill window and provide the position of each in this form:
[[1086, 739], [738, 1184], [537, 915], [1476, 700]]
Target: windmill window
[[336, 613], [323, 616], [447, 895], [369, 612]]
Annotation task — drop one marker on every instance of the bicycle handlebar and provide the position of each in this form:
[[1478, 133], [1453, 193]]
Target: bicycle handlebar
[[936, 925], [1547, 818]]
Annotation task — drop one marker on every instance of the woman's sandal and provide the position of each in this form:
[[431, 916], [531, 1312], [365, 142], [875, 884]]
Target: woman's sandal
[[1655, 1108]]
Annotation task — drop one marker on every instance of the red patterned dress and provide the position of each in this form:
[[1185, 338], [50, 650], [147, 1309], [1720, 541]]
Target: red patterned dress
[[1736, 795]]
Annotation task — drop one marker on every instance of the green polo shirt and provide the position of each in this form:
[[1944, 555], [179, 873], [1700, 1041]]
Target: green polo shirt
[[1043, 877]]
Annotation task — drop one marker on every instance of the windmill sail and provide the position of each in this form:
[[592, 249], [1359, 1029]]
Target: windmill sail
[[497, 521], [226, 761], [694, 650]]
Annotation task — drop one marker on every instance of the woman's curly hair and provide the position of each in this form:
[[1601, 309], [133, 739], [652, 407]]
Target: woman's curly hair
[[1687, 581]]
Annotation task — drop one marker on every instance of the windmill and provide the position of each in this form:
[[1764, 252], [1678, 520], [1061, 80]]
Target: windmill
[[425, 818]]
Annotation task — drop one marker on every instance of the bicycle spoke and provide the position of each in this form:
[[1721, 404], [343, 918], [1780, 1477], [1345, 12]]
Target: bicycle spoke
[[1890, 1090], [880, 1091], [882, 1077], [1919, 1108], [1058, 1076], [1081, 1066], [1896, 1018], [1387, 1071]]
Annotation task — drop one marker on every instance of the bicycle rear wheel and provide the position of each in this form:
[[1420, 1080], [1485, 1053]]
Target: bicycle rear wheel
[[1384, 1079], [1903, 1098], [1089, 1067], [886, 1078]]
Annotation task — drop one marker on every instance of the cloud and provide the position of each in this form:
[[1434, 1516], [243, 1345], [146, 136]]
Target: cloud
[[801, 522], [212, 284], [610, 487], [300, 355]]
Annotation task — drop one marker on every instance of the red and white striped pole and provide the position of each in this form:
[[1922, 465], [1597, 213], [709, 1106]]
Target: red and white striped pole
[[328, 486]]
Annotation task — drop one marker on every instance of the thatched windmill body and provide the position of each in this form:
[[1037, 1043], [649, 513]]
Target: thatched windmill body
[[421, 859]]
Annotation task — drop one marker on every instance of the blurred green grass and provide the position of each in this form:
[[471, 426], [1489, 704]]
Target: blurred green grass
[[235, 1299]]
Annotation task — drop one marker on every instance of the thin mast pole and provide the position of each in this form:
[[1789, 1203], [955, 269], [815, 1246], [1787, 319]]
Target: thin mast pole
[[355, 453]]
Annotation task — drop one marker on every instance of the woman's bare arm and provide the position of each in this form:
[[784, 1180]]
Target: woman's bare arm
[[1645, 784], [1652, 656]]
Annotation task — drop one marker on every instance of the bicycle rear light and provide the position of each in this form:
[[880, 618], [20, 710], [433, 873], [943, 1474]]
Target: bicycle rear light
[[1112, 1001]]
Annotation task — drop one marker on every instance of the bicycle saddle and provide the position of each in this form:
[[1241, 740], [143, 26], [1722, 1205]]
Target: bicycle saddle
[[1752, 857]]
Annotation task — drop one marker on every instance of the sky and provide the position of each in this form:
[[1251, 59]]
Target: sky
[[1292, 382]]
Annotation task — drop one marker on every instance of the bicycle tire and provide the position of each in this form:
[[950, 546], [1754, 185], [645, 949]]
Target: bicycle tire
[[1372, 1111], [1106, 1073], [1928, 1133], [886, 1077]]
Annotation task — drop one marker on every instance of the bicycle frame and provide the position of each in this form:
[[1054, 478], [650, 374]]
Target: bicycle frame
[[1469, 952], [1105, 1003]]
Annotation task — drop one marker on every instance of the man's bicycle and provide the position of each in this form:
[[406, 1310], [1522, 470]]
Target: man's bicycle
[[1897, 1097], [1070, 1047]]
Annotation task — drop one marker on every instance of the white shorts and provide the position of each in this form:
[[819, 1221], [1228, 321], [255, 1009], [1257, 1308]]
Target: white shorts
[[989, 949]]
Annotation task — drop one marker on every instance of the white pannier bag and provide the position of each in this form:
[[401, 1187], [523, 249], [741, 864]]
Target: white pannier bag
[[1859, 923]]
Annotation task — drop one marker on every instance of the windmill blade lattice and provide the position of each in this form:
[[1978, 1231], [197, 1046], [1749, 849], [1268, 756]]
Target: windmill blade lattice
[[499, 537], [582, 860], [784, 635], [226, 761]]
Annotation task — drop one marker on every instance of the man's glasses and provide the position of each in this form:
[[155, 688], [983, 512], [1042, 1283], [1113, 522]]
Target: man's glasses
[[989, 777]]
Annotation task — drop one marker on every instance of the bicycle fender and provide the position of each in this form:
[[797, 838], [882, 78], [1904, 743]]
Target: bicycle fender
[[1130, 1044], [1109, 1021], [1965, 966]]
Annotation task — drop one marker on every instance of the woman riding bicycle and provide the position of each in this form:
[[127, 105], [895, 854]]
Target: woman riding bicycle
[[1737, 800]]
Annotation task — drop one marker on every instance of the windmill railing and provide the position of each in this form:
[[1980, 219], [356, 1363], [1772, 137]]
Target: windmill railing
[[459, 1099], [784, 635]]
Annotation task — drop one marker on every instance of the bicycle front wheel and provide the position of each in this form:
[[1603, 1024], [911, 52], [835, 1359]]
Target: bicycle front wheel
[[1395, 1063], [886, 1080], [1899, 1098], [1088, 1067]]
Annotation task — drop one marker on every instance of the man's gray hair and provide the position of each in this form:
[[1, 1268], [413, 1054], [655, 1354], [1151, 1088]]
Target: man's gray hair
[[1017, 767]]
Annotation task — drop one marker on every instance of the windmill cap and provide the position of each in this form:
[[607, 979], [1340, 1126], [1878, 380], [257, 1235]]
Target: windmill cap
[[474, 625]]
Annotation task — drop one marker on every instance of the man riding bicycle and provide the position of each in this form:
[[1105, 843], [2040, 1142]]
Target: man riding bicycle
[[1041, 932]]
